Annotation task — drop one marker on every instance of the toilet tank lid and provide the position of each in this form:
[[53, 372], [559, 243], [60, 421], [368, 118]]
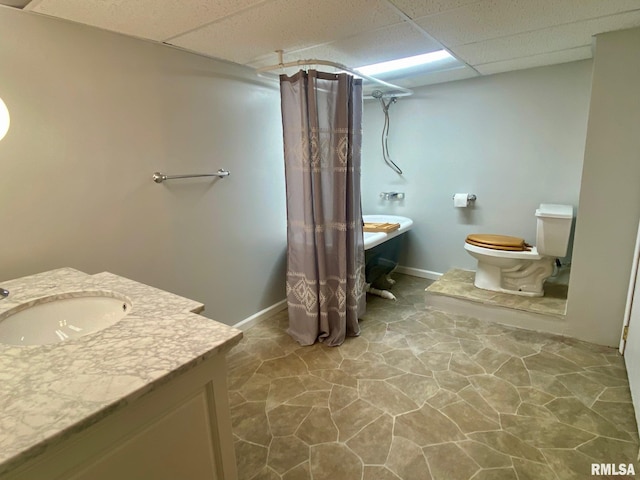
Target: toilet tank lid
[[553, 210]]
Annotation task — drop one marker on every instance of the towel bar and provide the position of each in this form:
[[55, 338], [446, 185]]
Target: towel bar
[[161, 177]]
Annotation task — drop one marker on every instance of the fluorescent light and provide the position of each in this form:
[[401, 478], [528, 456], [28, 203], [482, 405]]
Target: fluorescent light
[[403, 63]]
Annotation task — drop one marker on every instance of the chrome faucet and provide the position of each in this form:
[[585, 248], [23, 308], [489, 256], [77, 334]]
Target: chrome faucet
[[392, 195], [3, 293]]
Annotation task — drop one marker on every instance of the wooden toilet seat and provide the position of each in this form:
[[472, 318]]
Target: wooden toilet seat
[[498, 242]]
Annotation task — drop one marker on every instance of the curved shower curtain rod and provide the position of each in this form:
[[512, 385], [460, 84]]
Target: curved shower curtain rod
[[396, 91]]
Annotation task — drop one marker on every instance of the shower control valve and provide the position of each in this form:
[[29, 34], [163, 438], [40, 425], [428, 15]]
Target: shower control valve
[[392, 195]]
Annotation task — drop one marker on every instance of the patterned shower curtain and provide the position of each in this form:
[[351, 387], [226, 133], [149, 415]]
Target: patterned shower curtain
[[322, 122]]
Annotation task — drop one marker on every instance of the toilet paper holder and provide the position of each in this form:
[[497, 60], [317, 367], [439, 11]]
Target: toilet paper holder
[[470, 197]]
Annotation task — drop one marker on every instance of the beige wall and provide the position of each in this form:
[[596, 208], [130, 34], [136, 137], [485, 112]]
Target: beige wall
[[609, 210], [94, 114]]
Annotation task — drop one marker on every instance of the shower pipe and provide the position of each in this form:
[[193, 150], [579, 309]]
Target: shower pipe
[[161, 177], [397, 91]]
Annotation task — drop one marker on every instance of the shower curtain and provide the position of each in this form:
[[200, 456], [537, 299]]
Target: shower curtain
[[322, 123]]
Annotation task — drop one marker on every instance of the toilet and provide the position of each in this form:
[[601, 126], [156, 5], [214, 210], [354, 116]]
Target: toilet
[[509, 265]]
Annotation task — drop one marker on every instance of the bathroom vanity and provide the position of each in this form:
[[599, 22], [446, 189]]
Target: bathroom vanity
[[144, 397]]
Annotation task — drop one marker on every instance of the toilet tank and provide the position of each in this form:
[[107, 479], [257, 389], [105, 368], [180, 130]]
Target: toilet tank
[[554, 228]]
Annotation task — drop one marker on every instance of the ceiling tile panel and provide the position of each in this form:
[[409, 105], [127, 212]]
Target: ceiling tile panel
[[286, 25], [152, 19], [546, 40], [499, 18], [431, 78], [15, 3], [369, 47], [563, 56], [421, 8], [492, 35]]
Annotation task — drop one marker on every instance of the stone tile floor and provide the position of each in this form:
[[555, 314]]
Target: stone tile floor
[[459, 284], [424, 394]]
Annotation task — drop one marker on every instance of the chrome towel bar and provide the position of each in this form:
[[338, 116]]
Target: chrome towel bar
[[161, 177]]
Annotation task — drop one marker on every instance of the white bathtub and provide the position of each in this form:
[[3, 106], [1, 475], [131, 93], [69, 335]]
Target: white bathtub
[[372, 239]]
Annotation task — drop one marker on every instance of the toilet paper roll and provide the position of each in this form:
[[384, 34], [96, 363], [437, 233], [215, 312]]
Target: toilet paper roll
[[461, 200]]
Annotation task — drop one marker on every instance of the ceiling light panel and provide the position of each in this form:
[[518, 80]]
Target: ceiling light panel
[[405, 63], [152, 19], [286, 25], [500, 18]]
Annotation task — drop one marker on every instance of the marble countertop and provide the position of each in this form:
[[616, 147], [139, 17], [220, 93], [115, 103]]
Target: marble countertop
[[50, 392]]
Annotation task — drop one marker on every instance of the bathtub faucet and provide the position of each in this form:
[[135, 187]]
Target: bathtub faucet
[[3, 293], [392, 195]]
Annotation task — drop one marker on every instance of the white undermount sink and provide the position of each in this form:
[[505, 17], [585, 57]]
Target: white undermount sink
[[61, 317]]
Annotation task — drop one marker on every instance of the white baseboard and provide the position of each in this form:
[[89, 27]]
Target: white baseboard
[[416, 272], [282, 304], [261, 315]]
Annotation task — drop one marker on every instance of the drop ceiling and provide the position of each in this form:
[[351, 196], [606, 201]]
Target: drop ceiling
[[486, 36]]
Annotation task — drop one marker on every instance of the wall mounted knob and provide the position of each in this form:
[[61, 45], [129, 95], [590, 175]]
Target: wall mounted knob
[[392, 195]]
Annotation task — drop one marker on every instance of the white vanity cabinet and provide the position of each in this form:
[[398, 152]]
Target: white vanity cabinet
[[180, 430], [144, 398]]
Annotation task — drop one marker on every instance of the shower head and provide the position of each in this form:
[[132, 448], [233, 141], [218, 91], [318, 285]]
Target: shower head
[[377, 94]]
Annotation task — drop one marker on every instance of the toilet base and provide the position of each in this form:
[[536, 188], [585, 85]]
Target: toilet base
[[525, 279]]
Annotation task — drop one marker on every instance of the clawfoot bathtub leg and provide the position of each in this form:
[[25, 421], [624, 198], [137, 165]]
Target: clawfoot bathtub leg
[[380, 293]]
